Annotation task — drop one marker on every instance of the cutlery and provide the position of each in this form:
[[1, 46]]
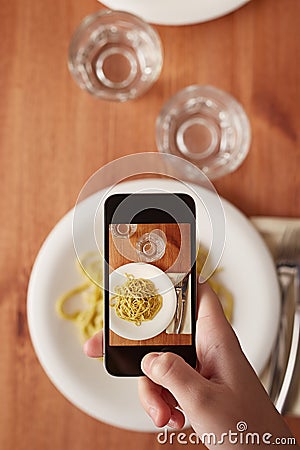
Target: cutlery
[[283, 361], [178, 290], [181, 290]]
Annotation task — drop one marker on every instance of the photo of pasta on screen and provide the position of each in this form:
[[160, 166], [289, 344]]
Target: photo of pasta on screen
[[149, 284]]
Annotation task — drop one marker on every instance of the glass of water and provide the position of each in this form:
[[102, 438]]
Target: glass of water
[[115, 55], [123, 230], [151, 246], [207, 127]]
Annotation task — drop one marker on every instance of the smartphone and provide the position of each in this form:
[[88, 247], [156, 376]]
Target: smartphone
[[149, 279]]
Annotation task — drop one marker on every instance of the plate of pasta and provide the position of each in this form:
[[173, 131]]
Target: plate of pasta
[[143, 301], [247, 271]]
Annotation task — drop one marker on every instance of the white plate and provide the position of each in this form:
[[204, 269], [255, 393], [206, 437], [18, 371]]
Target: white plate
[[248, 271], [178, 12], [164, 287]]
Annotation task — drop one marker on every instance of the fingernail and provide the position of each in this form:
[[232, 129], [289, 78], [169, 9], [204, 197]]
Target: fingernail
[[86, 348], [172, 422], [147, 362], [201, 279], [153, 413]]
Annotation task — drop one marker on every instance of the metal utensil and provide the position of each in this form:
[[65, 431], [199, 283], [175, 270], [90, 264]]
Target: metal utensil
[[285, 352], [181, 304], [280, 353], [178, 290], [294, 349]]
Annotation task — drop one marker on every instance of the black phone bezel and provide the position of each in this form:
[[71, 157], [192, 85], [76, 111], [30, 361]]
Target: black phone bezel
[[125, 360]]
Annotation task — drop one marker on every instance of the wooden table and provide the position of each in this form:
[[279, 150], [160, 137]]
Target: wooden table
[[176, 257], [53, 136]]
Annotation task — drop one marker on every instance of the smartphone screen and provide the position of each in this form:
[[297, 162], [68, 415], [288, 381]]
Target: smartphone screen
[[150, 292]]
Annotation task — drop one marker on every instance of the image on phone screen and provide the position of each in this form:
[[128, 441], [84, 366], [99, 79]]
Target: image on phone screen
[[150, 282]]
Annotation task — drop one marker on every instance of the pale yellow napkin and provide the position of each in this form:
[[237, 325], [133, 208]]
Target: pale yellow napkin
[[186, 320], [272, 230]]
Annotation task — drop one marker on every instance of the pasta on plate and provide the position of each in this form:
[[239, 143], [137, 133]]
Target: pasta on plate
[[136, 300]]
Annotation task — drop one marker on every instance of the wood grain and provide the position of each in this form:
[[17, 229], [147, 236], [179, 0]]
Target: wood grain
[[53, 136], [162, 338], [177, 253]]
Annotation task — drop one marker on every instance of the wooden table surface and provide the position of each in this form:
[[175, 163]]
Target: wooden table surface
[[53, 136], [175, 259]]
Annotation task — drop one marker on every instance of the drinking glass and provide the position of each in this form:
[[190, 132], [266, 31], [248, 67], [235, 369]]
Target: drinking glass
[[207, 127], [151, 246], [115, 55], [123, 230]]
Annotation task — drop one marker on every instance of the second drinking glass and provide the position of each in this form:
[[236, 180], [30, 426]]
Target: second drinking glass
[[151, 246], [115, 55]]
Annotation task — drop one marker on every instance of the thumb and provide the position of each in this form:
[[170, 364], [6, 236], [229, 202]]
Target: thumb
[[173, 373]]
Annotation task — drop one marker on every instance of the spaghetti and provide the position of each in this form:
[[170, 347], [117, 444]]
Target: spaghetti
[[89, 317], [136, 300]]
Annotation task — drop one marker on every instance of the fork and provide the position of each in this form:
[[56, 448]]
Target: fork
[[288, 269]]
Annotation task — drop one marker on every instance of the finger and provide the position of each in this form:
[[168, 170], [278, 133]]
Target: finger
[[173, 373], [177, 419], [218, 349], [169, 398], [209, 303], [154, 403], [160, 404], [211, 320], [94, 346]]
